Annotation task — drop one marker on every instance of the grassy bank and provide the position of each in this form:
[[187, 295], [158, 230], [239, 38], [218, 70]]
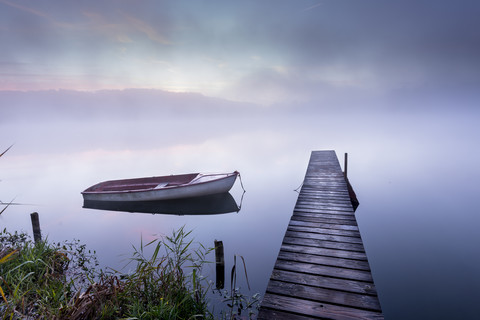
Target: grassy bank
[[62, 281]]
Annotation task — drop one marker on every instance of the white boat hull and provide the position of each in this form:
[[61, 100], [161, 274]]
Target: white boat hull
[[210, 187]]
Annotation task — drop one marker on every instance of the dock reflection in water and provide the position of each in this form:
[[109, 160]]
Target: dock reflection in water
[[213, 204]]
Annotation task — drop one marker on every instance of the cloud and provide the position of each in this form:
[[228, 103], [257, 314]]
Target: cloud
[[302, 52], [314, 6], [39, 13], [116, 28], [151, 32], [25, 9]]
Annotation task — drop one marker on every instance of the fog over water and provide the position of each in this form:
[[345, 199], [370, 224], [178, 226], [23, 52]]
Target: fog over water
[[99, 90], [415, 174]]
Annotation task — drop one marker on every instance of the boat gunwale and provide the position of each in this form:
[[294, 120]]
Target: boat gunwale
[[227, 175]]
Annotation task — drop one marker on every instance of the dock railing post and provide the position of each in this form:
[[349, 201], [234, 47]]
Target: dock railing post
[[37, 235], [345, 166]]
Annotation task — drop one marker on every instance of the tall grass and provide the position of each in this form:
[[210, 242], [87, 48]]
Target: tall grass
[[38, 279], [165, 285], [59, 281]]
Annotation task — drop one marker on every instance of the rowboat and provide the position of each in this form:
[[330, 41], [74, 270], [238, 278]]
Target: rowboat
[[161, 188], [219, 203]]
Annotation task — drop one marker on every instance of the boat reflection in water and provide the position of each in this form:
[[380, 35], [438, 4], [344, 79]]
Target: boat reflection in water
[[213, 204]]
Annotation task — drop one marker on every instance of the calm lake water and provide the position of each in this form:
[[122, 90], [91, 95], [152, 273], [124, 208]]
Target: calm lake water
[[415, 176]]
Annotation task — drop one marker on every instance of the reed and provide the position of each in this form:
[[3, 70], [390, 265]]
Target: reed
[[60, 281], [237, 304], [164, 285], [37, 279], [6, 205]]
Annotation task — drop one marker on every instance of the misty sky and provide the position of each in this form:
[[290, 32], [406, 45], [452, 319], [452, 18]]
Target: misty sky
[[263, 51], [96, 90]]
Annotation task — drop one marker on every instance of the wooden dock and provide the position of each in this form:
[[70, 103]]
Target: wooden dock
[[322, 271]]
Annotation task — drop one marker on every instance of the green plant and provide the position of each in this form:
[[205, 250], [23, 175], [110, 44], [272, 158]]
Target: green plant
[[165, 284], [61, 281], [169, 286], [239, 305], [39, 278], [6, 254]]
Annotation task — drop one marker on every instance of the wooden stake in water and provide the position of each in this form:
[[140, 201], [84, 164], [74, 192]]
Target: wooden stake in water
[[37, 235], [219, 264]]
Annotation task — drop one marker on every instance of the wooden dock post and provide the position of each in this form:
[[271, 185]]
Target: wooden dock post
[[37, 235], [345, 166], [219, 265], [322, 270]]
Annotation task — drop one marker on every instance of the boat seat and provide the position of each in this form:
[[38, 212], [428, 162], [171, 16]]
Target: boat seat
[[161, 185]]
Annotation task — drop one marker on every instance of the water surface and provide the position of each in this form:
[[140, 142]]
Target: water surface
[[415, 176]]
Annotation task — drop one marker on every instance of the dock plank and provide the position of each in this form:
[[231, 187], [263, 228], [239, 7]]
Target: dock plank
[[324, 260], [324, 244], [325, 295], [310, 229], [324, 251], [324, 237], [320, 281], [334, 272], [315, 309], [323, 219], [324, 214], [301, 223], [322, 270]]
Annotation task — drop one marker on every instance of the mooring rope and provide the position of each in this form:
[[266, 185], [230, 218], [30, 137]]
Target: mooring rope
[[301, 185], [241, 201], [241, 183]]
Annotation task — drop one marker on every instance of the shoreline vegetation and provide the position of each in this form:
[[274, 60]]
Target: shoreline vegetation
[[42, 280]]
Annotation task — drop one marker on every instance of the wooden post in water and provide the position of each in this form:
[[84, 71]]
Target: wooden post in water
[[219, 264], [345, 166], [37, 235]]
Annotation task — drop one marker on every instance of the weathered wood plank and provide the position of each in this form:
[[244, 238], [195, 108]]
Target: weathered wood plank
[[312, 190], [309, 229], [320, 281], [325, 214], [328, 208], [316, 309], [337, 190], [324, 237], [324, 244], [329, 271], [325, 295], [269, 314], [314, 203], [342, 201], [324, 208], [324, 251], [325, 190], [321, 219], [322, 225], [321, 195], [323, 260]]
